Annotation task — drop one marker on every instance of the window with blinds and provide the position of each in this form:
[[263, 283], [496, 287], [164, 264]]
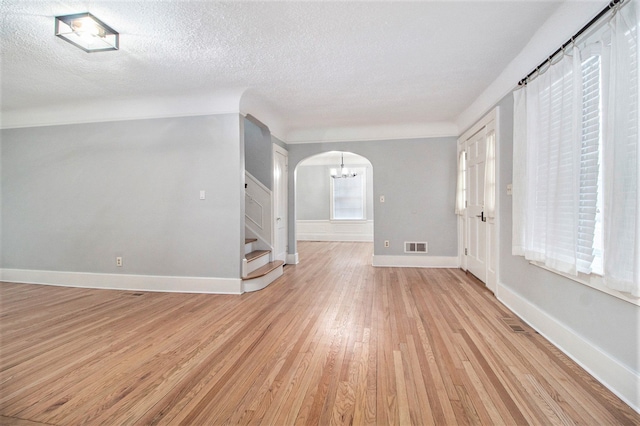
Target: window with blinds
[[589, 253], [565, 195], [575, 204], [348, 197], [552, 198]]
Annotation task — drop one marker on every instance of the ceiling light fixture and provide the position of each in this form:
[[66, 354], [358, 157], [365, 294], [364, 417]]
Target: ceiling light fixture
[[87, 32], [343, 172]]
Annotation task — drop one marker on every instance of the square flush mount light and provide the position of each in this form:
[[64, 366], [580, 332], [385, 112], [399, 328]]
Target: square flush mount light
[[87, 32]]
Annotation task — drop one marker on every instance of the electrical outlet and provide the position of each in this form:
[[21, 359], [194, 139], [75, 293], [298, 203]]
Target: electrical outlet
[[386, 243], [118, 261]]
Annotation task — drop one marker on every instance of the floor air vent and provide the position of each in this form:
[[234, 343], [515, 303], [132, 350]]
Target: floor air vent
[[514, 325], [415, 247]]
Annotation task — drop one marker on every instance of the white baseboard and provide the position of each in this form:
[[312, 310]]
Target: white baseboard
[[618, 378], [293, 259], [124, 282], [334, 237], [329, 230], [413, 261]]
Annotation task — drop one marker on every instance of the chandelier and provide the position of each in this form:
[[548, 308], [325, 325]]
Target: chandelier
[[343, 172]]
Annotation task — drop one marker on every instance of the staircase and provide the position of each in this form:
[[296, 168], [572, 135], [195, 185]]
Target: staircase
[[258, 268]]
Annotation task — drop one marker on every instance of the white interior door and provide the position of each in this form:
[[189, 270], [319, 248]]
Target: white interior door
[[479, 223], [476, 243], [280, 202]]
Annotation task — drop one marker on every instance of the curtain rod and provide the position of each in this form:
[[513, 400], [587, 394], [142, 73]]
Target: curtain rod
[[572, 39]]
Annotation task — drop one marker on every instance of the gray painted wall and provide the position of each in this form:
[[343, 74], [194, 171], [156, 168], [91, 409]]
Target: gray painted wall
[[313, 192], [258, 150], [607, 322], [76, 196], [417, 178]]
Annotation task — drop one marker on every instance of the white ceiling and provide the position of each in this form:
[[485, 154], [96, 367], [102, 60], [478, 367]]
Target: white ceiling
[[302, 65]]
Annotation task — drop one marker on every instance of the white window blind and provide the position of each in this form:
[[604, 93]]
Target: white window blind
[[563, 138], [621, 154], [576, 206], [348, 197], [553, 151], [589, 257]]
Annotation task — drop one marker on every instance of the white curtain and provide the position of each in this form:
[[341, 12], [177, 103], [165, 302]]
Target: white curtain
[[548, 142], [460, 192], [621, 154], [576, 206]]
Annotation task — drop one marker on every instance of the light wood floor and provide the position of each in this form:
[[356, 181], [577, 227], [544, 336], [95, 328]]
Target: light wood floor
[[333, 341]]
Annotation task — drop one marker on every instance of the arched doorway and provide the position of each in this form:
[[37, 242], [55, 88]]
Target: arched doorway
[[334, 209]]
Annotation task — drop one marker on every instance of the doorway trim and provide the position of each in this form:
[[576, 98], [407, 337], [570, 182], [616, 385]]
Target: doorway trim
[[348, 230], [489, 122], [280, 218]]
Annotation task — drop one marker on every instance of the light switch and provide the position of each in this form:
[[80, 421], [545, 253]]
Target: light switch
[[382, 198], [202, 195]]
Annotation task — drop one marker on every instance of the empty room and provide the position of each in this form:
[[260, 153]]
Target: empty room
[[319, 212]]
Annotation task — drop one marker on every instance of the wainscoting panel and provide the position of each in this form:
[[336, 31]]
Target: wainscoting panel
[[331, 230]]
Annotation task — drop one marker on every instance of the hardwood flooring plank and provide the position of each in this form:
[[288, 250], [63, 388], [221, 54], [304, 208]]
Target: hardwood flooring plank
[[14, 421], [420, 404], [332, 341]]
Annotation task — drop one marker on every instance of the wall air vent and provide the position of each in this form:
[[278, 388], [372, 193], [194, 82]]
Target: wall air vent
[[415, 247]]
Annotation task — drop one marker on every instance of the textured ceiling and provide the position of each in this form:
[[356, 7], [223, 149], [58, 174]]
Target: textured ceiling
[[312, 64]]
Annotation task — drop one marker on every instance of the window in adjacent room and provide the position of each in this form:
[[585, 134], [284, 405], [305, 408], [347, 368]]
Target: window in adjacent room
[[348, 196]]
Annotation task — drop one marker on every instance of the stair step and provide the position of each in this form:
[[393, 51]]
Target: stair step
[[248, 244], [256, 254], [264, 270]]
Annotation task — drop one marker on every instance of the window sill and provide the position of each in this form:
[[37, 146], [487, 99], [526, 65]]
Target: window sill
[[593, 281], [348, 221]]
